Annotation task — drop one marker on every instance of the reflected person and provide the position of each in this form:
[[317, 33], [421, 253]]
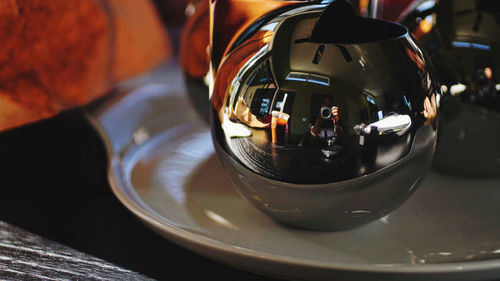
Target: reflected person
[[327, 124]]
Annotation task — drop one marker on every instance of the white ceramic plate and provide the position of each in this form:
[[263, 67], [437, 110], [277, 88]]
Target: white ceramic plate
[[163, 169]]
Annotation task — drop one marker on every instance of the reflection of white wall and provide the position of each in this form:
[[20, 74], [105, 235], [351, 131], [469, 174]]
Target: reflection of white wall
[[300, 113], [351, 110], [463, 26]]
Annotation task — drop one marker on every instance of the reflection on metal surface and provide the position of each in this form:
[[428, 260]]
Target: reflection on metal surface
[[464, 45], [330, 121]]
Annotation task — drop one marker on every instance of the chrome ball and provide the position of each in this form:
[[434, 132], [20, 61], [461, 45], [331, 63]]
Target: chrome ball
[[325, 120]]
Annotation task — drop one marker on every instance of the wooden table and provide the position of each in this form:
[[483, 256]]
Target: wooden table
[[24, 255]]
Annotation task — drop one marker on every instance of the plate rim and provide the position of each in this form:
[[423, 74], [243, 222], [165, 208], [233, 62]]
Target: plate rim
[[188, 239]]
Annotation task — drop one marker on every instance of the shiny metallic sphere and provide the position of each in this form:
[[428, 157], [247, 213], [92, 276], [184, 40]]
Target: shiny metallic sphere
[[322, 119]]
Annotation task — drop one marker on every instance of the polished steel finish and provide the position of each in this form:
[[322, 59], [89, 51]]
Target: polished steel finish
[[462, 38], [325, 120]]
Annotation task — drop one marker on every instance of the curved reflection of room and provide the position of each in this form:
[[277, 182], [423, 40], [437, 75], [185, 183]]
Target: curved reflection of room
[[275, 103]]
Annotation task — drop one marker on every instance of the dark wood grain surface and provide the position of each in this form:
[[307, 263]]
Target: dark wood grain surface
[[24, 256]]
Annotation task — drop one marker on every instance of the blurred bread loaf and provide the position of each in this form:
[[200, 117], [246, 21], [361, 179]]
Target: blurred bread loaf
[[59, 54]]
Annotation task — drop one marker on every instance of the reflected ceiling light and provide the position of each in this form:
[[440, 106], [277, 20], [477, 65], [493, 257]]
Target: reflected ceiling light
[[457, 89]]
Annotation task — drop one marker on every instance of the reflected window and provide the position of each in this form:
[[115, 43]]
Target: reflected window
[[309, 78], [317, 79], [261, 102], [460, 44], [265, 104], [297, 76]]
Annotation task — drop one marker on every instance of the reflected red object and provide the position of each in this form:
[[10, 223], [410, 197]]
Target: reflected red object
[[392, 9], [230, 18]]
